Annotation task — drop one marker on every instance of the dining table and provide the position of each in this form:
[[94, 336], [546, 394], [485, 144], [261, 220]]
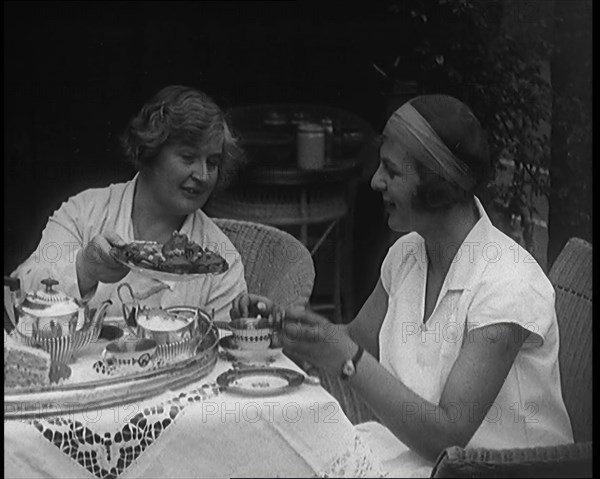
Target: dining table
[[198, 430]]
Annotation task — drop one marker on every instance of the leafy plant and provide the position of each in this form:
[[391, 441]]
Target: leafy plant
[[464, 48], [571, 163]]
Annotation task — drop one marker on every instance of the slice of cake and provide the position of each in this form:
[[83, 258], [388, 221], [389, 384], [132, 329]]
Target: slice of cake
[[24, 366]]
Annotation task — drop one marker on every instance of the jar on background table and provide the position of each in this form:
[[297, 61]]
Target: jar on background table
[[310, 146]]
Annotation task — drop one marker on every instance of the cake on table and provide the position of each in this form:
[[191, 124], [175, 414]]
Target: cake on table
[[24, 366]]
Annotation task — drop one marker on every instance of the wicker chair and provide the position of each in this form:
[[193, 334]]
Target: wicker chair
[[571, 275], [276, 264]]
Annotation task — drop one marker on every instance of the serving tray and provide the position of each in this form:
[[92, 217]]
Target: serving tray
[[90, 389]]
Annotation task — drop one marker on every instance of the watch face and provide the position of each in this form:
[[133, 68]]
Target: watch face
[[348, 369]]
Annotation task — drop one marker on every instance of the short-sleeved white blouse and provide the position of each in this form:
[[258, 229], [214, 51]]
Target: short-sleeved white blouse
[[491, 280]]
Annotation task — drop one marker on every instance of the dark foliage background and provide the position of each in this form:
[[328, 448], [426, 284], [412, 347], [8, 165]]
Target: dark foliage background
[[571, 166], [74, 73]]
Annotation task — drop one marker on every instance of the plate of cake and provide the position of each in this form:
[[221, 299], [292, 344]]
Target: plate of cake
[[179, 259]]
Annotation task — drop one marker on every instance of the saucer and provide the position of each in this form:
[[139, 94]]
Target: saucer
[[227, 343], [260, 381]]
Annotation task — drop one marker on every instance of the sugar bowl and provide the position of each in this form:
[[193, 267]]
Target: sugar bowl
[[164, 325]]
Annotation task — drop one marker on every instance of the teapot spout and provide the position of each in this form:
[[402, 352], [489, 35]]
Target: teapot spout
[[100, 314]]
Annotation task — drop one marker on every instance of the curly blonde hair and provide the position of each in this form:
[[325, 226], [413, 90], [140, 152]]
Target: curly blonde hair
[[181, 114]]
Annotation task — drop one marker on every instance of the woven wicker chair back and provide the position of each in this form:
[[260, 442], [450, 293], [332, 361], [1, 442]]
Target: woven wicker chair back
[[571, 275], [280, 267], [276, 264]]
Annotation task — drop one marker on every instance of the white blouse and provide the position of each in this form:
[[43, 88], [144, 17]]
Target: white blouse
[[491, 280], [97, 210]]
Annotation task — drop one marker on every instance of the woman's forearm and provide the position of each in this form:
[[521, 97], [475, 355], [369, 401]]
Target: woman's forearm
[[86, 284], [421, 425]]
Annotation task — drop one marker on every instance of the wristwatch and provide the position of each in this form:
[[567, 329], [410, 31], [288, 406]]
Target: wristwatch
[[349, 365]]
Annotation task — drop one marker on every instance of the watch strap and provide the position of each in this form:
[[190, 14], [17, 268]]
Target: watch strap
[[346, 375], [357, 356]]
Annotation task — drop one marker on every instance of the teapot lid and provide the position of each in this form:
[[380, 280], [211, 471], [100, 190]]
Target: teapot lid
[[48, 302]]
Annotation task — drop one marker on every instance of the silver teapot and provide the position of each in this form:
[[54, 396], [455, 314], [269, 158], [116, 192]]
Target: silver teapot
[[48, 313]]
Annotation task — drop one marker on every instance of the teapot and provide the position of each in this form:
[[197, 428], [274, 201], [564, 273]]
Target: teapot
[[48, 313]]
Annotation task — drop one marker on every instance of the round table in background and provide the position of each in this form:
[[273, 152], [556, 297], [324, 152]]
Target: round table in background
[[273, 190], [286, 196]]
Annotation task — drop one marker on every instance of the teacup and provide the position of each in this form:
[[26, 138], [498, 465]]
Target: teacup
[[130, 354], [251, 333]]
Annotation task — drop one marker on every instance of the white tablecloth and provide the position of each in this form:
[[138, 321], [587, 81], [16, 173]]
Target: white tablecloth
[[197, 431]]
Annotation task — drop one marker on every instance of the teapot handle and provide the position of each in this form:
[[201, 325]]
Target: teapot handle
[[10, 299], [14, 284], [10, 322]]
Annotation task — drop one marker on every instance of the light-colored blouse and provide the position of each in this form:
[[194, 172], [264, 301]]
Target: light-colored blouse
[[492, 280], [98, 210]]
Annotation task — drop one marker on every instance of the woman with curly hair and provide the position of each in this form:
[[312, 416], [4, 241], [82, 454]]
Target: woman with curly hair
[[183, 150]]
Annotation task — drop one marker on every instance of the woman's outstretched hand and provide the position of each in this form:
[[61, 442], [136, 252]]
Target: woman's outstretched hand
[[95, 262], [315, 339]]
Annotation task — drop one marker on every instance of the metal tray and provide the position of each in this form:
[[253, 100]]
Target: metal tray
[[67, 398]]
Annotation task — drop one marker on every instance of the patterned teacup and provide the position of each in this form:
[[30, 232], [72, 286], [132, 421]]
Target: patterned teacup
[[251, 333]]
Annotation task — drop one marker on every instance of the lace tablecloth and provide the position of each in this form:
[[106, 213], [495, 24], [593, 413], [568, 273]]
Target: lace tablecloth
[[198, 431]]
